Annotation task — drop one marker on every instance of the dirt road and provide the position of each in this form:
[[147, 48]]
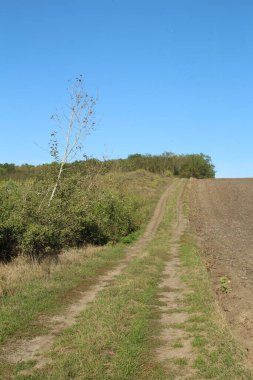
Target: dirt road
[[221, 215], [145, 316], [173, 291]]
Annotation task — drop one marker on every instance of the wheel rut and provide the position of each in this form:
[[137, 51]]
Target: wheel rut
[[175, 344]]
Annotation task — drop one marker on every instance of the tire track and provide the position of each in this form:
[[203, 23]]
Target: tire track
[[175, 342]]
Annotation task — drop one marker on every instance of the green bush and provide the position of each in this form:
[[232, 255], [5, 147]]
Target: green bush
[[168, 173], [114, 214], [39, 241], [197, 166], [10, 237], [84, 211], [81, 232]]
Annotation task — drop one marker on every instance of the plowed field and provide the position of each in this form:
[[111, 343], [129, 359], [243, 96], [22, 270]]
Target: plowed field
[[221, 215]]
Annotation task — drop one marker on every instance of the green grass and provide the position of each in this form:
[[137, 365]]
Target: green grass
[[45, 296], [181, 362], [178, 344], [217, 354]]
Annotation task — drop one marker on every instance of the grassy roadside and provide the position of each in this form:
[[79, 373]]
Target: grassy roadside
[[217, 354], [49, 294], [30, 290], [114, 337]]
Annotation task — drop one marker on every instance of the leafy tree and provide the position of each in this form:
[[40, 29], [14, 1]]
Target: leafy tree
[[197, 166]]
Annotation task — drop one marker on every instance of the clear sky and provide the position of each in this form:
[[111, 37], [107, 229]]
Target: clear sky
[[170, 75]]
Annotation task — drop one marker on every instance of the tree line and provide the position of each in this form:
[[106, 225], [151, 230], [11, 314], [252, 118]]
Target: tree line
[[168, 164]]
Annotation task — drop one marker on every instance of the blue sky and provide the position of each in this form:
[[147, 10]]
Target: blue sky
[[169, 75]]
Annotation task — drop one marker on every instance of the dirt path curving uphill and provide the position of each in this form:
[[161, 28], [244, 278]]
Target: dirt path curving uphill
[[35, 349], [221, 215]]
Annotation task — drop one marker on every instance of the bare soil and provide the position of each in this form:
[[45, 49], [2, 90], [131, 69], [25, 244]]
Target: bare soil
[[221, 215], [37, 347]]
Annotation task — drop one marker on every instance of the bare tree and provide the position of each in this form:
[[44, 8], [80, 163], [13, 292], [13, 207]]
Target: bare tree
[[74, 124]]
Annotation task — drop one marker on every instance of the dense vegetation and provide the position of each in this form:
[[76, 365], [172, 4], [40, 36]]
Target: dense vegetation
[[169, 164], [86, 210], [96, 201]]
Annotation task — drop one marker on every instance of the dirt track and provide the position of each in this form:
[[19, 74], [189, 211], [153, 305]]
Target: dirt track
[[221, 215], [173, 291]]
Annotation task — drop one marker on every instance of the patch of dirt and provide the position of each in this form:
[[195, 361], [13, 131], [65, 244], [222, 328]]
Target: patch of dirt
[[35, 349], [221, 215], [175, 343]]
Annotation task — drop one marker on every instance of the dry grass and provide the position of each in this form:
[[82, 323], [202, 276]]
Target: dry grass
[[137, 182], [22, 270]]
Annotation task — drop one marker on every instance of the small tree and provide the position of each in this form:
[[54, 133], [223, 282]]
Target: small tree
[[74, 124]]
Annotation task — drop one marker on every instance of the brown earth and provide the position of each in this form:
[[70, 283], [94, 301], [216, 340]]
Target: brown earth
[[221, 215]]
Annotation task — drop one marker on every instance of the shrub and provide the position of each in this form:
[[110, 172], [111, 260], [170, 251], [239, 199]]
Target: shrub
[[114, 214], [82, 232], [10, 237], [40, 241], [168, 173], [197, 166], [84, 211]]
